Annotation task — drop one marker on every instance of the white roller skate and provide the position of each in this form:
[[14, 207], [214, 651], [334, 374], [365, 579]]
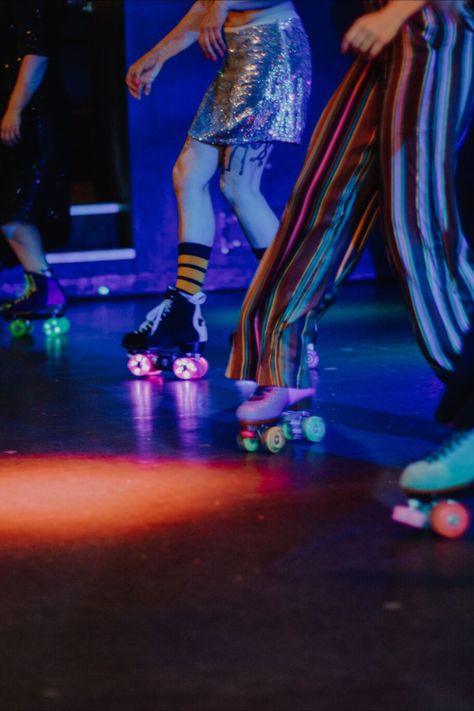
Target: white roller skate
[[434, 484]]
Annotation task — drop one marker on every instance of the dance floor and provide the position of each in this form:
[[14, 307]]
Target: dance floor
[[148, 564]]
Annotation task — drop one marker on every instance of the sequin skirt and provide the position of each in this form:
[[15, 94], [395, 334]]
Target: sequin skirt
[[262, 91]]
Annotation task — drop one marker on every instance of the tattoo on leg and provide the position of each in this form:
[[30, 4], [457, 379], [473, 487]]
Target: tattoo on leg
[[260, 158]]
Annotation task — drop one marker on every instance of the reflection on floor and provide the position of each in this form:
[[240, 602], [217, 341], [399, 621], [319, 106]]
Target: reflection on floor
[[146, 563]]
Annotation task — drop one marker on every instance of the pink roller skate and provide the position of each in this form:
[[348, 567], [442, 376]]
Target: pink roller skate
[[268, 419]]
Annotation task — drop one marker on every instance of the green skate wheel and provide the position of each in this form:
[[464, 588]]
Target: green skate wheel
[[19, 328], [287, 431], [314, 428], [56, 326], [273, 439], [248, 444]]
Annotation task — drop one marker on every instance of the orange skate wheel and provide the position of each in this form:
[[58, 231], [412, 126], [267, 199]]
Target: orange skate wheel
[[450, 519]]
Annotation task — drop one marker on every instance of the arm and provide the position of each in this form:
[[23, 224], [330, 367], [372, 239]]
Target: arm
[[211, 39], [144, 71], [372, 32], [31, 74]]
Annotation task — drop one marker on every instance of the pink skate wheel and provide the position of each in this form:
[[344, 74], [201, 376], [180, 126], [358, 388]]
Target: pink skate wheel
[[203, 367], [186, 368], [141, 364], [450, 519]]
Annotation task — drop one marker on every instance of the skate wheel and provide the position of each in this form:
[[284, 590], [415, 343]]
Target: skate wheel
[[288, 431], [19, 328], [273, 439], [248, 444], [141, 364], [314, 428], [188, 368], [312, 357], [203, 366], [56, 326], [450, 519]]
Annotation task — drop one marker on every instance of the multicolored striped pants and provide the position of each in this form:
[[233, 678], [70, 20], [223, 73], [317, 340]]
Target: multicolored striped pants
[[386, 142]]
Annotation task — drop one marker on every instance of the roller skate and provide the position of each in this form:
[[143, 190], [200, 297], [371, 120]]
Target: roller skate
[[42, 300], [434, 486], [172, 337], [268, 419]]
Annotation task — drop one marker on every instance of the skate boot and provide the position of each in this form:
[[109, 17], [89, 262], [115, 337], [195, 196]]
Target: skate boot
[[42, 300], [268, 419], [172, 337], [430, 483]]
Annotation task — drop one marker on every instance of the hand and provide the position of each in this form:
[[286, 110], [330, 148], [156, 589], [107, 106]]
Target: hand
[[371, 33], [10, 127], [142, 74], [211, 39]]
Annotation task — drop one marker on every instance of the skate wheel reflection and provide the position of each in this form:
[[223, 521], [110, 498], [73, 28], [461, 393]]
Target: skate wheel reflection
[[449, 519], [141, 364], [188, 368]]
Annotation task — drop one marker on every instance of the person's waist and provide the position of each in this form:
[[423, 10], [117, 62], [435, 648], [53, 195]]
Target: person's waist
[[278, 13]]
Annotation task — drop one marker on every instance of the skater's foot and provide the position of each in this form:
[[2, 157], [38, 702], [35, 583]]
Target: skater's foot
[[268, 402], [449, 467], [176, 322], [42, 298]]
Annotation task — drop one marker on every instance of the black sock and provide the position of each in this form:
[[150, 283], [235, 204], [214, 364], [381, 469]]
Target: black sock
[[259, 251]]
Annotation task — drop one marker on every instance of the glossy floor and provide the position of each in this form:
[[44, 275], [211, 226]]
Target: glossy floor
[[146, 563]]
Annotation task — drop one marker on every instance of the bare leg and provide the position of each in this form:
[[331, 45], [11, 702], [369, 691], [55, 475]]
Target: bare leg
[[25, 240], [241, 177], [196, 165]]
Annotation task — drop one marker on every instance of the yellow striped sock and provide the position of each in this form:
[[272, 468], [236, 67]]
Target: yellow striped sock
[[191, 273]]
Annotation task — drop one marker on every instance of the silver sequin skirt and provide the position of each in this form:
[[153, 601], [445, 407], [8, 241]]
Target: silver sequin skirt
[[262, 91]]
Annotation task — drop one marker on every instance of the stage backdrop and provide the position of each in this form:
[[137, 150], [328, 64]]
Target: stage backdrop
[[158, 127]]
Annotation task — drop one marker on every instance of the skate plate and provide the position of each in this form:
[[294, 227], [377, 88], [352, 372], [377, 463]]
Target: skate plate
[[442, 514], [185, 366], [273, 435]]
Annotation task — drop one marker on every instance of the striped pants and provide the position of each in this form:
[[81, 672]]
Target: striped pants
[[386, 142]]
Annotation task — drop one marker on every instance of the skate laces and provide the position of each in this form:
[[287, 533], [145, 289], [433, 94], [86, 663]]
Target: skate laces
[[155, 316], [449, 446], [197, 299]]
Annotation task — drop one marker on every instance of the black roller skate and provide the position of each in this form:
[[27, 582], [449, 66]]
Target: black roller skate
[[42, 300], [273, 415], [435, 486], [172, 337]]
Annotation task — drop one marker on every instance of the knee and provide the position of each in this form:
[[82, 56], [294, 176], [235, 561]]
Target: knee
[[235, 190], [182, 175]]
